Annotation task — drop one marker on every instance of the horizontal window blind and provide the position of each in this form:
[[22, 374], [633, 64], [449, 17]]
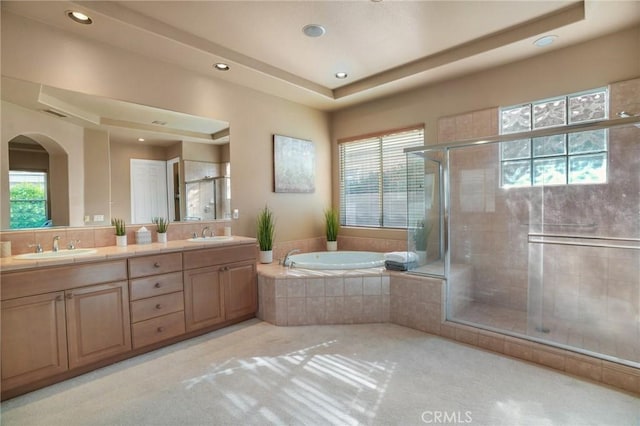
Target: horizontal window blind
[[373, 179]]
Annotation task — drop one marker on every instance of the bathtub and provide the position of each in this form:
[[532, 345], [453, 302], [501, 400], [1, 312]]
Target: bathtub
[[337, 260]]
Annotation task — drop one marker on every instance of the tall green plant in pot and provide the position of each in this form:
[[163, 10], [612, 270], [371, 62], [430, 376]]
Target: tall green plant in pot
[[332, 226], [121, 231], [162, 225], [265, 232]]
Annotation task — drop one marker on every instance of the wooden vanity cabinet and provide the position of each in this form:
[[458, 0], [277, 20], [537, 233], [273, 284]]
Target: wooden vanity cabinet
[[34, 338], [81, 318], [157, 298], [220, 284], [240, 289], [98, 325], [58, 321]]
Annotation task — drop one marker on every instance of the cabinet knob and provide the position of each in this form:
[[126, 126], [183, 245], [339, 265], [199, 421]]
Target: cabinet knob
[[160, 329], [156, 265], [158, 306], [59, 298], [157, 285]]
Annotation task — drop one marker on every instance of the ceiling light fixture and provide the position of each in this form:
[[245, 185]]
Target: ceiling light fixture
[[313, 30], [545, 41], [79, 17], [221, 66], [341, 75], [140, 139]]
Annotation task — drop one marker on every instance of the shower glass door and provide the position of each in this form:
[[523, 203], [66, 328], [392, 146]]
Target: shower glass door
[[549, 249]]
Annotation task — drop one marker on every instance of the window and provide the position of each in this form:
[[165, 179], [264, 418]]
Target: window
[[27, 199], [373, 178], [559, 159]]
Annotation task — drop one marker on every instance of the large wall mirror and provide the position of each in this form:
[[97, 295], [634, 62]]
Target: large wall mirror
[[72, 159]]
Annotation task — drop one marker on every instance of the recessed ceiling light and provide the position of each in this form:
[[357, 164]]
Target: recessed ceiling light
[[79, 17], [221, 67], [140, 139], [313, 30], [545, 41], [341, 75]]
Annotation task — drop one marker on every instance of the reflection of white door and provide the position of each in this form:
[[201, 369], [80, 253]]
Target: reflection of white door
[[148, 190]]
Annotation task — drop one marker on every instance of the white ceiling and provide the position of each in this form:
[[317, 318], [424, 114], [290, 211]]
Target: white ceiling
[[384, 46]]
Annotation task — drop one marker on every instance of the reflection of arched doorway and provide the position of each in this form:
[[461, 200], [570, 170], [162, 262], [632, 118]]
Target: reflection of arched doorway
[[43, 164]]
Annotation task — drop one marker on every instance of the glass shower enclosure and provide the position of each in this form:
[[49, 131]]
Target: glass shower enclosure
[[547, 258]]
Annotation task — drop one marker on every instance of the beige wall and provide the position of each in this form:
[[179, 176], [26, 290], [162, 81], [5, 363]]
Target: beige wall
[[62, 60], [595, 63], [97, 176], [64, 142], [192, 151], [39, 53]]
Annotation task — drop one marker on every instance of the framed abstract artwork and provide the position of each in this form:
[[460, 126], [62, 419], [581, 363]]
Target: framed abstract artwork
[[294, 165]]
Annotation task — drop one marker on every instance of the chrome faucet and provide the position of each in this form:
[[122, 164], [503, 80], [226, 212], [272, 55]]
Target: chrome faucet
[[204, 232], [38, 247], [285, 261], [72, 244], [56, 245]]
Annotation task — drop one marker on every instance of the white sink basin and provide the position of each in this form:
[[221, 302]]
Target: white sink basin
[[55, 254], [216, 239]]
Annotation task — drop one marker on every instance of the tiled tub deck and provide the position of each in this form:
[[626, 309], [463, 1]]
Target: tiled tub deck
[[291, 297]]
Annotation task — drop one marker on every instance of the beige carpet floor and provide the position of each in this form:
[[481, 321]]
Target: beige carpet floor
[[379, 374]]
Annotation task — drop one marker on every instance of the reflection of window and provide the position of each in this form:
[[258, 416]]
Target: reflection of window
[[559, 159], [373, 179], [27, 199]]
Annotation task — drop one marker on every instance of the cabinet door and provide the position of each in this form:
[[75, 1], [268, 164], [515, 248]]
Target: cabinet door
[[240, 290], [34, 339], [98, 324], [203, 302]]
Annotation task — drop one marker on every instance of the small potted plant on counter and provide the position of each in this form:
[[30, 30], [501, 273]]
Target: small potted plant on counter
[[121, 231], [266, 230], [161, 227], [332, 226]]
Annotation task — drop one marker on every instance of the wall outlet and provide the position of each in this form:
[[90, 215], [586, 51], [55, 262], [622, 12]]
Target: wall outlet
[[98, 217], [87, 219], [236, 214]]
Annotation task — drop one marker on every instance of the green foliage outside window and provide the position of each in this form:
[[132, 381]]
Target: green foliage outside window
[[28, 206]]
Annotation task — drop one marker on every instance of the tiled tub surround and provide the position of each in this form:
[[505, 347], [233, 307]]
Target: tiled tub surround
[[412, 301], [290, 296]]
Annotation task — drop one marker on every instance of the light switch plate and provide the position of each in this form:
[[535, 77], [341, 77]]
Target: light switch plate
[[98, 217]]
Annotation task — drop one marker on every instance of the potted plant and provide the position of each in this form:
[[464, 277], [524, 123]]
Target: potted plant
[[266, 230], [121, 231], [421, 239], [161, 227], [332, 226]]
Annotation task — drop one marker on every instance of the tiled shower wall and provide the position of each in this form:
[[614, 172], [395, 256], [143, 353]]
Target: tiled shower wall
[[490, 224]]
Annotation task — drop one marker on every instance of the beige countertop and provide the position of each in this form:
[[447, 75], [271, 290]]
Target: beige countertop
[[114, 253]]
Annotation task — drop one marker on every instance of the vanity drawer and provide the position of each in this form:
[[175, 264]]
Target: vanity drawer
[[158, 329], [48, 280], [156, 264], [219, 256], [157, 306], [141, 288]]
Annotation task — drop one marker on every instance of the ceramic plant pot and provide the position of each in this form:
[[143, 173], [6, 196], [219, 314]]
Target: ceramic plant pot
[[332, 245], [121, 240], [162, 237], [266, 256]]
